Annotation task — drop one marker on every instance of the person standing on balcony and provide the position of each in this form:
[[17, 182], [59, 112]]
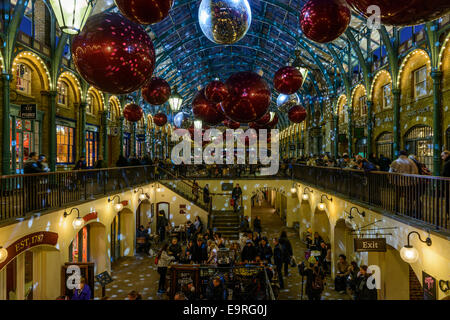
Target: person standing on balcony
[[32, 165], [43, 164], [81, 164], [446, 167], [384, 163], [404, 165], [236, 196]]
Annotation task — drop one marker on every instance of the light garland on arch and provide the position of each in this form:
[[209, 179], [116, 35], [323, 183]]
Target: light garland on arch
[[441, 53], [378, 74], [406, 59], [69, 74], [356, 88], [29, 55], [102, 97]]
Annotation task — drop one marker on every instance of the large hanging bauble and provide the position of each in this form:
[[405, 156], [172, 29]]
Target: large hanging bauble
[[216, 91], [182, 120], [144, 11], [205, 110], [224, 21], [324, 20], [248, 99], [285, 102], [113, 54], [132, 112], [160, 119], [403, 12], [287, 80], [156, 91], [231, 124], [297, 114], [264, 119]]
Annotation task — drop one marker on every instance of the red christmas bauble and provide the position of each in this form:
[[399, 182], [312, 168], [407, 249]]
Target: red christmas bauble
[[156, 91], [160, 119], [216, 91], [144, 11], [403, 12], [248, 98], [324, 20], [132, 112], [113, 54], [297, 114], [231, 124], [264, 119], [288, 80], [205, 110]]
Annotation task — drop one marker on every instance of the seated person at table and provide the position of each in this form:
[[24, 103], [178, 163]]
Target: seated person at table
[[175, 249]]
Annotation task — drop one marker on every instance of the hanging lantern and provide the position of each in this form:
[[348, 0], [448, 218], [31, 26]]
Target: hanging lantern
[[224, 21], [324, 20], [288, 80], [113, 54], [248, 99], [144, 11], [156, 91], [175, 101], [160, 119], [297, 114], [132, 112], [72, 15], [403, 12]]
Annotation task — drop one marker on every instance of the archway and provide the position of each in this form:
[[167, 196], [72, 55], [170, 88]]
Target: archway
[[394, 274], [98, 247], [127, 232], [321, 225], [343, 242], [305, 218]]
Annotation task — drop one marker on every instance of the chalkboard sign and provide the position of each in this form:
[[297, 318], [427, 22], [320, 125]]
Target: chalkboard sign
[[28, 111], [104, 278], [180, 276], [429, 286]]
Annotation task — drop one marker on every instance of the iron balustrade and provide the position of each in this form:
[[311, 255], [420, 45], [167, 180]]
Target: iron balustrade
[[22, 195], [423, 198]]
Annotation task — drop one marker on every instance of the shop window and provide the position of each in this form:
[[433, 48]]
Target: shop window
[[363, 105], [63, 88], [79, 249], [65, 145], [385, 144], [91, 148], [387, 96], [418, 141], [23, 78], [420, 82], [126, 144]]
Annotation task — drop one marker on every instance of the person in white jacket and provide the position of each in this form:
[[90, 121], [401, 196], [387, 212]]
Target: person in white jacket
[[164, 261]]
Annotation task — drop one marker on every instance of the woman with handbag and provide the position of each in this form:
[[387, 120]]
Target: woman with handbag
[[162, 261]]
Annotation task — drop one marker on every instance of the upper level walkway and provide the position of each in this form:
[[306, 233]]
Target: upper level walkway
[[421, 199]]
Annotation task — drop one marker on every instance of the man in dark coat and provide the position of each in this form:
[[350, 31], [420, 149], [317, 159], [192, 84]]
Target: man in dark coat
[[249, 252], [265, 251], [236, 196], [161, 225], [363, 292], [175, 249], [257, 225], [278, 258], [32, 165], [206, 196], [199, 251]]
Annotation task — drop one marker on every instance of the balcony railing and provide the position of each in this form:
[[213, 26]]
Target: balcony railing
[[423, 198], [21, 195]]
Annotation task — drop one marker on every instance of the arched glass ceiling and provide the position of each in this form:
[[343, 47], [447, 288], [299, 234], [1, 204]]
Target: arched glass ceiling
[[186, 58]]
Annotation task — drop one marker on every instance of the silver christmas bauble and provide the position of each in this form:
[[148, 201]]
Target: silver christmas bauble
[[182, 120], [285, 101]]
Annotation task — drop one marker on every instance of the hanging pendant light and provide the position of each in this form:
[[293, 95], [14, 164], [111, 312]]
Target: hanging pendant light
[[175, 101], [72, 14], [300, 65]]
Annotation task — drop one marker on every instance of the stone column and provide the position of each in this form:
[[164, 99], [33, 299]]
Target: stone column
[[436, 76], [52, 130]]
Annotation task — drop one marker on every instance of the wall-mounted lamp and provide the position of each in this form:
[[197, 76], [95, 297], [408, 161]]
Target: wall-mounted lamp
[[409, 253], [3, 254], [361, 213], [294, 188], [322, 205], [305, 196], [78, 221], [142, 196], [158, 188], [118, 206]]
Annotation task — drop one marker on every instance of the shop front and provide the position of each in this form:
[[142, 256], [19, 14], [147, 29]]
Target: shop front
[[419, 142], [92, 142], [24, 137], [65, 142], [31, 261]]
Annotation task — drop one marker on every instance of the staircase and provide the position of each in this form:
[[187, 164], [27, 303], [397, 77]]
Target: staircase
[[227, 223]]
